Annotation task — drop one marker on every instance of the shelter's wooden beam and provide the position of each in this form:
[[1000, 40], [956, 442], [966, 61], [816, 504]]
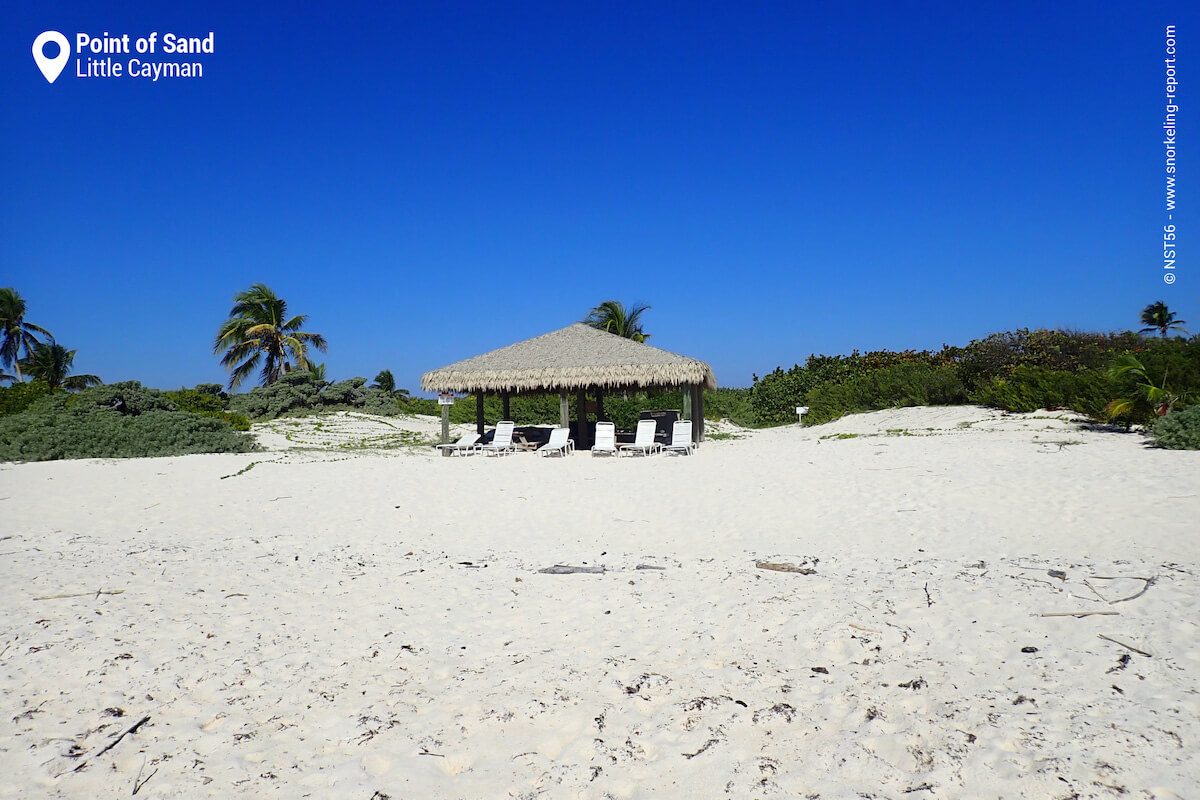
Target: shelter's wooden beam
[[600, 405], [564, 411], [581, 415], [504, 398], [697, 413], [479, 413], [446, 430], [687, 405]]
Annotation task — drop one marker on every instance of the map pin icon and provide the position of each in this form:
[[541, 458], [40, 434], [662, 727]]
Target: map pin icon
[[51, 67]]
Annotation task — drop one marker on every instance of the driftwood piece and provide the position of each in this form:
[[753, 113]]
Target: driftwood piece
[[132, 729], [1126, 646], [861, 628], [1080, 613], [80, 594], [563, 569], [784, 566]]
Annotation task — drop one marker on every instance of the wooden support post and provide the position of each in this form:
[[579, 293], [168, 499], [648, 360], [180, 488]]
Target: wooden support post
[[564, 411], [687, 405], [445, 429], [581, 435], [698, 413], [479, 413], [504, 398], [600, 415]]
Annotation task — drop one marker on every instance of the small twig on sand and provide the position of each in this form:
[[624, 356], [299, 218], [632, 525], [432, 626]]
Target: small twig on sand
[[425, 752], [562, 569], [924, 787], [81, 594], [116, 741], [1126, 646], [783, 566], [861, 628], [928, 599], [1094, 591], [1080, 613], [1148, 581], [138, 783]]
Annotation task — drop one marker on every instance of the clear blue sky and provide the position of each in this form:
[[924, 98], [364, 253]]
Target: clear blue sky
[[428, 181]]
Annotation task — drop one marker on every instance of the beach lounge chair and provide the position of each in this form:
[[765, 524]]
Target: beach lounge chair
[[643, 440], [502, 440], [681, 438], [465, 446], [606, 438], [559, 443]]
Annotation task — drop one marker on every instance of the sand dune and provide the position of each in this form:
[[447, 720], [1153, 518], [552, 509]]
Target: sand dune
[[353, 616]]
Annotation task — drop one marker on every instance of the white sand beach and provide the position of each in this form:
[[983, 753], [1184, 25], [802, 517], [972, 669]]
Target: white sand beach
[[346, 615]]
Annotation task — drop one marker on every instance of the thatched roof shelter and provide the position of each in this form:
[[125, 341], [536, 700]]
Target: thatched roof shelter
[[576, 358]]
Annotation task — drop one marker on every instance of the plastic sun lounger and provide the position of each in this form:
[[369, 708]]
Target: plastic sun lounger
[[502, 441], [681, 438], [559, 443], [606, 438], [466, 445], [643, 441]]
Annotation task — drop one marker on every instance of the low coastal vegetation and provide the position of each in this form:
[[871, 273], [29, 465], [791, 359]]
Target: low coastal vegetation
[[1123, 378], [120, 420]]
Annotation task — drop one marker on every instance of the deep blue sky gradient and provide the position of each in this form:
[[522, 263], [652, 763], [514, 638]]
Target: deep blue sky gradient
[[434, 180]]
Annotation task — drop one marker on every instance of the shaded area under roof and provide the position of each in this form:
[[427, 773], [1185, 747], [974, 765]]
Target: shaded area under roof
[[575, 357]]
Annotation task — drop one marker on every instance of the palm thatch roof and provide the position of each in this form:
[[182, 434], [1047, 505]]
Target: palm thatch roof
[[575, 357]]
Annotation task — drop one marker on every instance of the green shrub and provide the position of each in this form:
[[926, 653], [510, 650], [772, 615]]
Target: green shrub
[[195, 401], [47, 434], [16, 398], [1179, 430], [911, 384], [298, 393], [996, 356], [1028, 388], [775, 396], [120, 420], [736, 405], [128, 398]]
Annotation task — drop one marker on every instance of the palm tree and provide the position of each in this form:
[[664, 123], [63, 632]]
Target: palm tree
[[259, 330], [317, 370], [18, 335], [612, 316], [386, 381], [1146, 393], [1156, 317], [51, 364]]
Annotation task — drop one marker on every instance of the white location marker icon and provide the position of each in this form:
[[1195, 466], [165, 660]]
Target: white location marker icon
[[51, 67]]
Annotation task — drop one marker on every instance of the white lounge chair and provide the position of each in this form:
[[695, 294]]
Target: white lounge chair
[[643, 441], [559, 443], [681, 438], [502, 440], [606, 438], [465, 446]]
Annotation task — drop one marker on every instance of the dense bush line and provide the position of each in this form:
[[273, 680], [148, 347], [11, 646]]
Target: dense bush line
[[1017, 371], [121, 420]]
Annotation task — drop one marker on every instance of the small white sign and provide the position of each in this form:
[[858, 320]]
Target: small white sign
[[446, 399]]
